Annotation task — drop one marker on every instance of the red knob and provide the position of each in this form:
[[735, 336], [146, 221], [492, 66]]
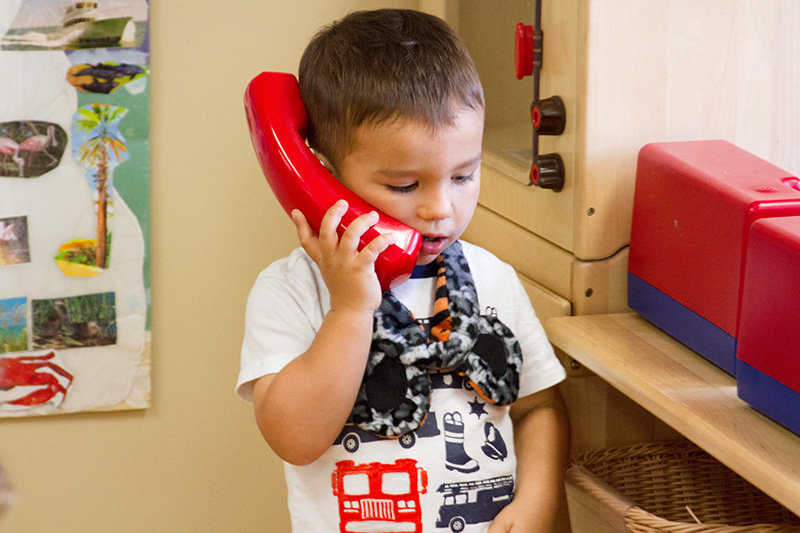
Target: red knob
[[523, 51], [547, 172], [549, 116]]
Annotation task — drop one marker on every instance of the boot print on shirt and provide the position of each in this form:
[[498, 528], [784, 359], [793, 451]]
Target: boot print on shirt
[[456, 457]]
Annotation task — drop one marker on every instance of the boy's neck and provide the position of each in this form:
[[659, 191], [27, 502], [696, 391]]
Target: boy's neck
[[425, 271]]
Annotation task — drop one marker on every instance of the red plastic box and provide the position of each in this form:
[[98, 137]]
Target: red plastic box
[[768, 370], [694, 204]]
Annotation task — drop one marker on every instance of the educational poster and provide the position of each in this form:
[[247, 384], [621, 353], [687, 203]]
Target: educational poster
[[74, 206]]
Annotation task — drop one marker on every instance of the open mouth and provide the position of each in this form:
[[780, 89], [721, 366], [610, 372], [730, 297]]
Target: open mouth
[[433, 240], [433, 245]]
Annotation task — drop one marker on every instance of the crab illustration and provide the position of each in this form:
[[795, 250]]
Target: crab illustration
[[47, 378]]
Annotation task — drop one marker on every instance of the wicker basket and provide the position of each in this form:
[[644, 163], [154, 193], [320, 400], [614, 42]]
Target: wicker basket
[[675, 487]]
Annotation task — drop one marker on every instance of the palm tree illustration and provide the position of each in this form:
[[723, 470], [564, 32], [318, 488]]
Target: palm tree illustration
[[99, 121]]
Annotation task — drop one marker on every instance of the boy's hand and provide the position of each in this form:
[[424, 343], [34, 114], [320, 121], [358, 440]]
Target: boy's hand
[[348, 273], [541, 441], [515, 519]]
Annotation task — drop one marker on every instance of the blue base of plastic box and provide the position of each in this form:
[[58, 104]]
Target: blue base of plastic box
[[768, 395], [685, 325]]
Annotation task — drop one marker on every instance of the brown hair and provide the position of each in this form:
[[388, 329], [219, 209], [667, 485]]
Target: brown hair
[[373, 66]]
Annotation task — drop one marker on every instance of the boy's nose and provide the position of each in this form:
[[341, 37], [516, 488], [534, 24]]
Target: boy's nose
[[437, 206]]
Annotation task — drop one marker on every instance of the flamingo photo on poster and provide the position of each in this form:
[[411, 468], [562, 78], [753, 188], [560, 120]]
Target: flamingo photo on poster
[[14, 241], [30, 148]]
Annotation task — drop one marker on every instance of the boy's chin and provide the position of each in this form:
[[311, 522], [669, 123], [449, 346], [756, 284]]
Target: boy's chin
[[426, 257], [423, 260]]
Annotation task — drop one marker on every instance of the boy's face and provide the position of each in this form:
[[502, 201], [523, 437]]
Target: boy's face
[[427, 179]]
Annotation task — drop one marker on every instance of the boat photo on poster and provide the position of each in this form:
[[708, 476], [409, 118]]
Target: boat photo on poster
[[53, 24], [74, 207]]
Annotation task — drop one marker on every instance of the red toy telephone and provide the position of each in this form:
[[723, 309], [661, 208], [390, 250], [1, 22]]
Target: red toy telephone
[[278, 121]]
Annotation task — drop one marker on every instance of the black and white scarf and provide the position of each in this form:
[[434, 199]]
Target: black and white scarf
[[395, 392]]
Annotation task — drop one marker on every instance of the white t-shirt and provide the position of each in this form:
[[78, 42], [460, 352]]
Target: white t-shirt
[[458, 469]]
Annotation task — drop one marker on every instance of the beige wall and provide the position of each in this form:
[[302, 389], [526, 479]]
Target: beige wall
[[194, 461]]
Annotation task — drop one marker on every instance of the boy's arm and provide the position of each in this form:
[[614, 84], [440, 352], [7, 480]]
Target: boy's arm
[[302, 409], [541, 441]]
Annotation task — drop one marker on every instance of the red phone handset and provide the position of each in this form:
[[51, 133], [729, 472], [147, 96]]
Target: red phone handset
[[278, 122]]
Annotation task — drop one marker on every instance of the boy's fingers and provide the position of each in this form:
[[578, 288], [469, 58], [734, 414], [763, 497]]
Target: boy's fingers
[[331, 220], [304, 230], [356, 229], [332, 217], [377, 246], [305, 234]]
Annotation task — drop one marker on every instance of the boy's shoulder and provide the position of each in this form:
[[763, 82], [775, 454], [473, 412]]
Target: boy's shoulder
[[295, 272], [296, 264]]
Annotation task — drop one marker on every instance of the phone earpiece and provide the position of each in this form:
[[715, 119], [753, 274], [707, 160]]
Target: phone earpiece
[[321, 158], [278, 122]]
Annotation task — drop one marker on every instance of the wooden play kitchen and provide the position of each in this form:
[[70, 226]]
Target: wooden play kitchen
[[629, 74]]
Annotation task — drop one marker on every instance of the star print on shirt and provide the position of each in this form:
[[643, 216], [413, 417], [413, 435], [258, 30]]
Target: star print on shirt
[[476, 408]]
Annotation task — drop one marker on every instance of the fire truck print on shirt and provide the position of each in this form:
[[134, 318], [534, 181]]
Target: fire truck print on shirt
[[377, 496]]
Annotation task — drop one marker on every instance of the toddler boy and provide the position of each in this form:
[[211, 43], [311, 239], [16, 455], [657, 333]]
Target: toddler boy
[[432, 405]]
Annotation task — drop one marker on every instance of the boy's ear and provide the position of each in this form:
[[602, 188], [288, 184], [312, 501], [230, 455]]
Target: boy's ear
[[325, 161]]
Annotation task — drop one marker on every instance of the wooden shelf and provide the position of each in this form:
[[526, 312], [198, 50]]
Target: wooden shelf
[[688, 393]]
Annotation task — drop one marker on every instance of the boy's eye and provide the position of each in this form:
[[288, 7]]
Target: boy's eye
[[463, 179], [402, 188]]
